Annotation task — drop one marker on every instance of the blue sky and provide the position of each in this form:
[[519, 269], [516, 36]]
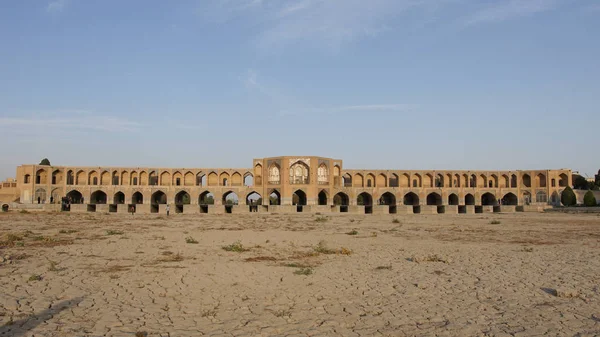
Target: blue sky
[[390, 84]]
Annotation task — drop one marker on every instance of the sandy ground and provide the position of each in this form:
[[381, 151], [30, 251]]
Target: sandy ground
[[418, 275]]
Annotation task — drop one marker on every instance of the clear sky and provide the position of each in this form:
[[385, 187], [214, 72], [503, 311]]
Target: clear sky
[[389, 84]]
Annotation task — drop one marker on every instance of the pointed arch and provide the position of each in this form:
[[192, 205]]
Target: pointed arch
[[488, 199], [125, 178], [230, 198], [453, 199], [41, 177], [493, 181], [381, 180], [274, 197], [165, 179], [206, 198], [75, 197], [248, 179], [510, 199], [137, 198], [341, 199], [119, 198], [563, 180], [274, 177], [224, 179], [434, 199], [299, 173], [98, 197], [158, 197], [457, 182], [540, 180], [411, 199], [388, 199], [323, 197], [370, 182], [405, 180], [364, 199], [182, 198], [357, 180], [394, 180], [323, 174], [188, 179], [253, 198], [347, 179], [506, 181], [213, 179], [177, 179], [236, 179], [299, 198], [469, 199], [428, 180], [526, 180], [92, 178], [105, 178], [417, 180], [143, 178], [57, 177]]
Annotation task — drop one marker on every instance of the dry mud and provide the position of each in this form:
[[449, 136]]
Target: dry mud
[[417, 275]]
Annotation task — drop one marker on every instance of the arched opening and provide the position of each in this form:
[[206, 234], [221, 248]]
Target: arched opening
[[494, 181], [428, 180], [4, 208], [540, 180], [488, 199], [541, 197], [105, 178], [322, 198], [258, 174], [134, 178], [40, 196], [453, 199], [56, 195], [182, 198], [248, 180], [411, 199], [40, 177], [434, 199], [358, 180], [230, 198], [177, 179], [299, 198], [439, 180], [473, 182], [553, 182], [299, 173], [188, 179], [555, 199], [165, 179], [27, 179], [98, 197], [457, 180], [323, 174], [394, 180], [206, 198], [563, 180], [274, 174], [158, 197], [119, 198], [510, 199], [365, 199], [347, 179], [469, 199], [483, 181], [70, 178], [225, 182], [236, 179], [342, 200], [513, 181], [506, 181], [389, 199], [253, 200], [153, 179], [526, 180], [75, 197], [137, 198], [526, 197], [405, 180], [115, 178], [275, 198]]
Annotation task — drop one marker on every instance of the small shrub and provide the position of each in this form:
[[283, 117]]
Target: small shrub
[[53, 266], [321, 219], [568, 197], [353, 232], [141, 334], [495, 222], [528, 249], [589, 199], [209, 313], [395, 221], [190, 239], [304, 271], [321, 248], [296, 265], [430, 258], [235, 247], [114, 232], [24, 211], [384, 268], [35, 277]]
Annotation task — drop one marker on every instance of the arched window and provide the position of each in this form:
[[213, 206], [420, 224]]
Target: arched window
[[322, 174], [299, 173], [274, 177], [541, 197]]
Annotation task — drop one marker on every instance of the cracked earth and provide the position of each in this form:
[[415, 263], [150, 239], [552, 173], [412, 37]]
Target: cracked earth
[[531, 274]]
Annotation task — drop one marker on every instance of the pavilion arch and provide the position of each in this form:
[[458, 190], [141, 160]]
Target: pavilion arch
[[253, 198], [388, 199], [258, 174], [92, 178], [137, 198], [555, 198], [513, 181], [119, 198], [27, 179], [527, 197], [394, 180], [299, 173], [434, 199], [248, 179], [417, 181], [236, 179], [364, 199], [56, 195], [158, 197], [341, 199], [449, 182], [230, 198], [493, 181], [357, 180], [98, 197], [457, 182], [177, 179], [428, 180], [411, 199], [274, 197], [323, 197], [506, 181], [274, 177], [224, 179], [488, 199], [473, 181], [125, 178], [182, 198], [439, 180], [405, 180], [299, 198], [188, 179], [526, 179], [57, 177], [75, 197], [483, 182], [115, 178], [70, 177], [41, 177], [540, 180], [469, 199], [381, 180], [370, 180], [134, 179], [510, 199], [201, 179], [143, 178], [165, 179], [153, 178], [337, 171], [322, 174], [347, 180], [40, 196], [206, 198], [105, 178], [563, 180], [453, 199], [213, 179]]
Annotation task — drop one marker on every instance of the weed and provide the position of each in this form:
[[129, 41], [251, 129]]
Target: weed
[[282, 313], [296, 265], [209, 313], [321, 219], [373, 234], [24, 211], [53, 266], [235, 247], [395, 221], [353, 232], [20, 244], [304, 271], [322, 248], [11, 238], [114, 232], [352, 220], [430, 258], [170, 257], [260, 258], [528, 249], [495, 222], [141, 334], [35, 277], [190, 239]]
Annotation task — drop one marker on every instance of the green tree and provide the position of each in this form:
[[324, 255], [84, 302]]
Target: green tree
[[45, 161], [568, 197], [589, 199], [580, 183]]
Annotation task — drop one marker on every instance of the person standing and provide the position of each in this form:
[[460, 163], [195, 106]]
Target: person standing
[[168, 209]]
